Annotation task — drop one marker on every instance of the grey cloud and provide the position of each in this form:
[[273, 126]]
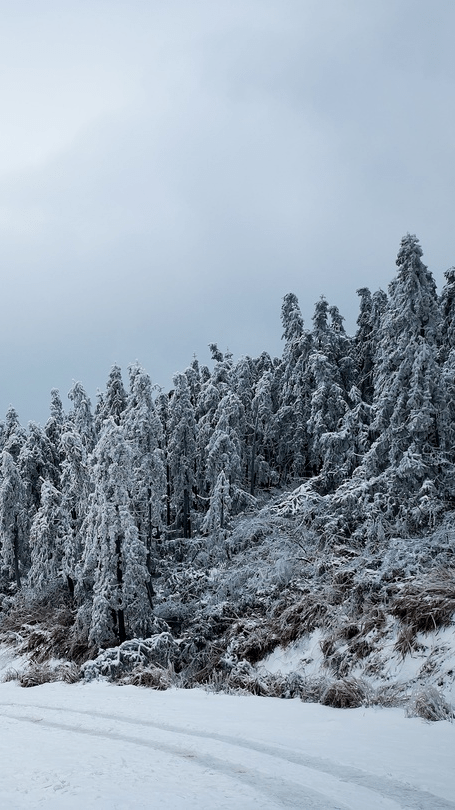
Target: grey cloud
[[198, 161]]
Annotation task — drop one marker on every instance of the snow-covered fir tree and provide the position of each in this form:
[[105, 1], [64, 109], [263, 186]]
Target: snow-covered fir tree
[[112, 402], [114, 563], [14, 521], [47, 535], [182, 452], [144, 433]]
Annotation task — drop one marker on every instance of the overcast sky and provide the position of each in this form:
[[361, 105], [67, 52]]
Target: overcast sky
[[169, 170]]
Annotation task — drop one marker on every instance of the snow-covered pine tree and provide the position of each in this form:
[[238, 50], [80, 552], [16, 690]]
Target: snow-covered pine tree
[[144, 433], [76, 487], [207, 403], [113, 401], [115, 558], [55, 425], [372, 308], [332, 374], [328, 407], [217, 517], [261, 471], [291, 382], [410, 408], [81, 416], [193, 376], [38, 460], [47, 540], [182, 437], [225, 445], [14, 435], [292, 321], [447, 305], [221, 374], [243, 380], [13, 520]]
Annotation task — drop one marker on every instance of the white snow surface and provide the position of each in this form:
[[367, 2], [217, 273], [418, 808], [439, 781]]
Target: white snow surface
[[111, 747]]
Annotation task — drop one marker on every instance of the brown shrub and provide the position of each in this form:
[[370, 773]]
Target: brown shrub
[[406, 642], [152, 677], [312, 690], [255, 643], [68, 672], [390, 696], [430, 704], [426, 604], [347, 693], [37, 675], [298, 619]]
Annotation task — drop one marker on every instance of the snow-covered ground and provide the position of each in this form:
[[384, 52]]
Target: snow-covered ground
[[118, 747]]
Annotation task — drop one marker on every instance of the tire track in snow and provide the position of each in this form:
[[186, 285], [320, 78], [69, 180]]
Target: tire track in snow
[[285, 792], [403, 794]]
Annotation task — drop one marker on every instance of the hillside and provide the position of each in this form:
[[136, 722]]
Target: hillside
[[282, 526]]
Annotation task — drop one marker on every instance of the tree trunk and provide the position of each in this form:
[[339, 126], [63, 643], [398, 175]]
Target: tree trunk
[[253, 457], [168, 496], [120, 611], [121, 626], [186, 514], [16, 554]]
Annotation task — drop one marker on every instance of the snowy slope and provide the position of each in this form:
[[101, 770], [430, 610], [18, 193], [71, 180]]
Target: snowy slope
[[109, 747]]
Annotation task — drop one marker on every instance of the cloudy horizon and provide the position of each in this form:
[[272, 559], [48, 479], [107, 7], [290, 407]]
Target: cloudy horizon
[[170, 171]]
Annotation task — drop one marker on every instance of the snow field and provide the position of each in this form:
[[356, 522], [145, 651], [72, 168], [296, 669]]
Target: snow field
[[113, 748]]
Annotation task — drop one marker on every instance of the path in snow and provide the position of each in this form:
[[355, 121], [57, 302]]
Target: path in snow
[[159, 764]]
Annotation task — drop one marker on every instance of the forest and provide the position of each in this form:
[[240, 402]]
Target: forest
[[182, 537]]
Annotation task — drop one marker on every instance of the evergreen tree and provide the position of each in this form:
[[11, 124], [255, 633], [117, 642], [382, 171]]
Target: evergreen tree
[[115, 558], [47, 539], [38, 460], [113, 401], [76, 487], [409, 406], [372, 308], [224, 448], [291, 318], [447, 305], [206, 406], [182, 451], [289, 429], [81, 416], [328, 407], [144, 434], [217, 517], [55, 425], [13, 519], [193, 376], [14, 435], [261, 451]]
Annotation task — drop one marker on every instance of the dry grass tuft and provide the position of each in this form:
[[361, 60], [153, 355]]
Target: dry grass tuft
[[151, 677], [430, 704], [68, 673], [298, 619], [10, 675], [406, 642], [312, 689], [37, 675], [347, 693], [44, 628], [390, 696], [426, 604]]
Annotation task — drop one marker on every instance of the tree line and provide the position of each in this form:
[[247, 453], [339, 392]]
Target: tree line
[[365, 422]]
